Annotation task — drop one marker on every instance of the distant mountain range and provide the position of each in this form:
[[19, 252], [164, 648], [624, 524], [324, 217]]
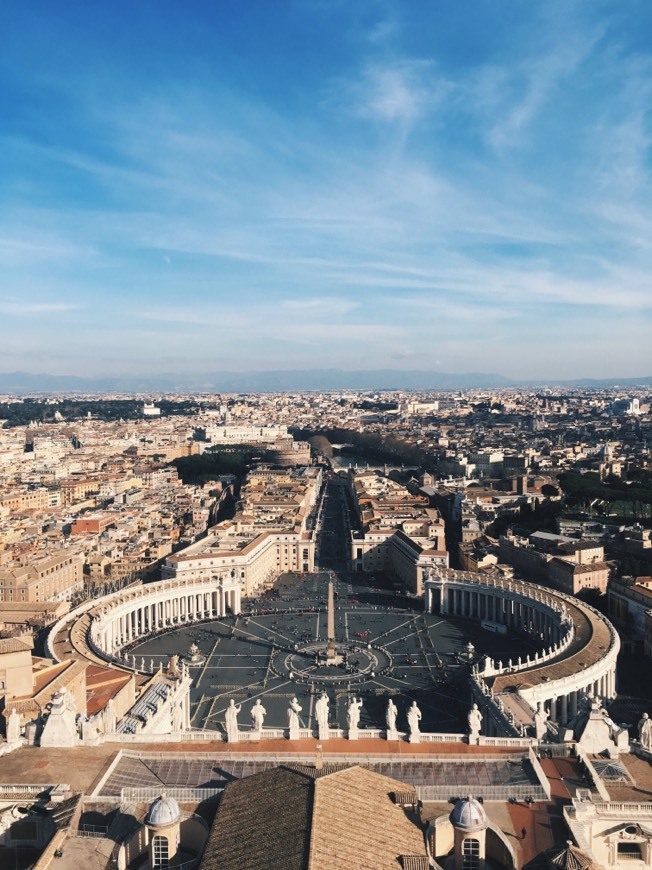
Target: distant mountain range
[[25, 383]]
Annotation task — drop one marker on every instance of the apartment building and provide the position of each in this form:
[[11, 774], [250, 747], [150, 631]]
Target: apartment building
[[55, 576]]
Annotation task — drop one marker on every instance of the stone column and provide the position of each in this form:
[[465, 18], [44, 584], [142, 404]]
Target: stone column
[[573, 703], [564, 708]]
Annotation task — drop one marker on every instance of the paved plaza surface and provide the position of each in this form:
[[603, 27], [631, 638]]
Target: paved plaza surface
[[276, 650]]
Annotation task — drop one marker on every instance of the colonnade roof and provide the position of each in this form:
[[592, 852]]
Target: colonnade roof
[[592, 640]]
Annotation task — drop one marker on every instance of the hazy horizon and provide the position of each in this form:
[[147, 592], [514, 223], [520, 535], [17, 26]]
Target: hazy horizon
[[292, 380], [307, 185]]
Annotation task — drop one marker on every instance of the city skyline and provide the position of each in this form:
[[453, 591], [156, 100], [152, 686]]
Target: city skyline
[[332, 186]]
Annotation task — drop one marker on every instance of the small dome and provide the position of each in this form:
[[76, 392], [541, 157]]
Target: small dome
[[164, 811], [469, 815]]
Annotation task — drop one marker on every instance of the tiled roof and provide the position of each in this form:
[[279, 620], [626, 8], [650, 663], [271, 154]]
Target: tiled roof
[[356, 823], [262, 821], [13, 645], [303, 819]]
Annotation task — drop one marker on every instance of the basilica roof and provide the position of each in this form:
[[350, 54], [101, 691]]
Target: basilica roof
[[301, 819]]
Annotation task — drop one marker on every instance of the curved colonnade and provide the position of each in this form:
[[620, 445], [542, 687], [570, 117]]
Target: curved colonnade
[[579, 646], [577, 655], [160, 606], [124, 617]]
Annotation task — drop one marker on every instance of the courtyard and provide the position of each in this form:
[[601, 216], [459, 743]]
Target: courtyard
[[275, 650]]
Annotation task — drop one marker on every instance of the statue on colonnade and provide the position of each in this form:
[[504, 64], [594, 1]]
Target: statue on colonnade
[[231, 721]]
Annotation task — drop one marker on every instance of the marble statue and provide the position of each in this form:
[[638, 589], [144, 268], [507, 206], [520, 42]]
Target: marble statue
[[321, 713], [390, 716], [475, 724], [71, 704], [173, 666], [110, 718], [231, 721], [13, 726], [645, 732], [293, 718], [540, 719], [258, 713], [178, 718], [414, 718], [353, 713]]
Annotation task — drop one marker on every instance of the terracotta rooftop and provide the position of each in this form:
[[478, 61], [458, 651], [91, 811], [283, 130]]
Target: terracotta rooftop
[[301, 819], [14, 645]]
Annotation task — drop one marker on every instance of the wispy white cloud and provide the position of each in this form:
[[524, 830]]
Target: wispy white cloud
[[394, 92], [20, 308], [428, 190], [527, 87], [320, 305], [34, 245]]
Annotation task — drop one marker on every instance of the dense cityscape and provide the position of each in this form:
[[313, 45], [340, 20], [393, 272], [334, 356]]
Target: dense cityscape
[[325, 435], [171, 562]]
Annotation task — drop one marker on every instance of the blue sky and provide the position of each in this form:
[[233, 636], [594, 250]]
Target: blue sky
[[256, 184]]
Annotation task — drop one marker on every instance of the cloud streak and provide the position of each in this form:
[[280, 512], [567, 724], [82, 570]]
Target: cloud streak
[[392, 182]]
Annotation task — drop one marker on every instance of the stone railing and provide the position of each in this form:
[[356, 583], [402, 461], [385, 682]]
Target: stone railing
[[535, 791], [306, 733], [184, 794], [620, 808], [514, 742]]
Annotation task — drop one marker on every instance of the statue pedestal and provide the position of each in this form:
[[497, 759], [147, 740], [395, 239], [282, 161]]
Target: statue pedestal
[[415, 738], [324, 732], [256, 735], [391, 735], [293, 733], [233, 738], [353, 734]]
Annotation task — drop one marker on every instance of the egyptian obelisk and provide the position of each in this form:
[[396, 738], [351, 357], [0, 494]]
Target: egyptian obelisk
[[330, 650]]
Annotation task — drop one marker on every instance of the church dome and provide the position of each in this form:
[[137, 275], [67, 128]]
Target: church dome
[[469, 815], [164, 811]]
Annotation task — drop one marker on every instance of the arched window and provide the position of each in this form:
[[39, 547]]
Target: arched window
[[471, 854], [160, 852]]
